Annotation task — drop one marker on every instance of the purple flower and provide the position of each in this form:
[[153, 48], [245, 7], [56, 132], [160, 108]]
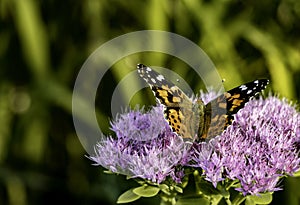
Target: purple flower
[[204, 156], [144, 147], [261, 145], [138, 126]]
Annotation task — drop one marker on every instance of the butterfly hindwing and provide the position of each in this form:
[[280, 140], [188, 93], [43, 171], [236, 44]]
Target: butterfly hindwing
[[215, 118]]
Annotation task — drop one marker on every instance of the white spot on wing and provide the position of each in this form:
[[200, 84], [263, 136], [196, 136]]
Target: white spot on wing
[[174, 88], [243, 87], [153, 80], [160, 77]]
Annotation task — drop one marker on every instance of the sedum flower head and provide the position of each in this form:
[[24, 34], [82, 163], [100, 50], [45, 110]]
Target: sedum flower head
[[260, 146], [144, 147]]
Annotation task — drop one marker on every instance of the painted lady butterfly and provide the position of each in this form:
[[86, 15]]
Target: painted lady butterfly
[[194, 119]]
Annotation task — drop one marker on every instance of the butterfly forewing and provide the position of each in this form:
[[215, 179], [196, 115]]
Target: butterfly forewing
[[237, 97], [179, 111]]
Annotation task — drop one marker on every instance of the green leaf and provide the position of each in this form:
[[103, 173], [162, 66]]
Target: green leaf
[[189, 201], [178, 189], [163, 186], [108, 172], [249, 201], [265, 198], [223, 191], [146, 191], [206, 188], [127, 197], [297, 174]]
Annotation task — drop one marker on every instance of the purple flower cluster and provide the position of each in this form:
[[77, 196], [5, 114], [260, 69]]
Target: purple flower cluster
[[259, 147], [144, 147]]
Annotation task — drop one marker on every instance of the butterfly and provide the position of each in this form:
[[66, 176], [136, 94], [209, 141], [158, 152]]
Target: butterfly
[[192, 119]]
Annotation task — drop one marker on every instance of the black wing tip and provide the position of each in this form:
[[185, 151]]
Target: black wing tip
[[263, 83], [260, 83], [140, 65]]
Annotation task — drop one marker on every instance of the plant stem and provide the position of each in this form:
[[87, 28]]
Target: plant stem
[[168, 201], [238, 199], [215, 199]]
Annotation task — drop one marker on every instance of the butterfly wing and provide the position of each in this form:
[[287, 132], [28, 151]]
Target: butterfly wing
[[221, 110], [239, 96], [181, 113]]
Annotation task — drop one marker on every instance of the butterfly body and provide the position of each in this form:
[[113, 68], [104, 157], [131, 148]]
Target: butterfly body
[[192, 119]]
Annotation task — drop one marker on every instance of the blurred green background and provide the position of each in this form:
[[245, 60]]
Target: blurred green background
[[43, 45]]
